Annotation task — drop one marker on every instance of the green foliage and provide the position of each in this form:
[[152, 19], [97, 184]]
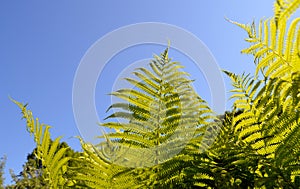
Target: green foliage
[[162, 112], [97, 171], [275, 46], [31, 175], [53, 162], [166, 136], [162, 106], [270, 118], [2, 165]]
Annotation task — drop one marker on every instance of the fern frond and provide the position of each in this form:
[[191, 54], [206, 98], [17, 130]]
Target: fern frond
[[274, 45], [98, 171], [162, 109], [54, 161]]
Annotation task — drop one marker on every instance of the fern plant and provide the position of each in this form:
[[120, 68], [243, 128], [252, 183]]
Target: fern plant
[[161, 114], [165, 138], [53, 161], [270, 118]]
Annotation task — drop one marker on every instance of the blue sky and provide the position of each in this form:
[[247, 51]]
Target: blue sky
[[42, 43]]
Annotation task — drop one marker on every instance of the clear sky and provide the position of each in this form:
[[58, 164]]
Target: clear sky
[[42, 43]]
